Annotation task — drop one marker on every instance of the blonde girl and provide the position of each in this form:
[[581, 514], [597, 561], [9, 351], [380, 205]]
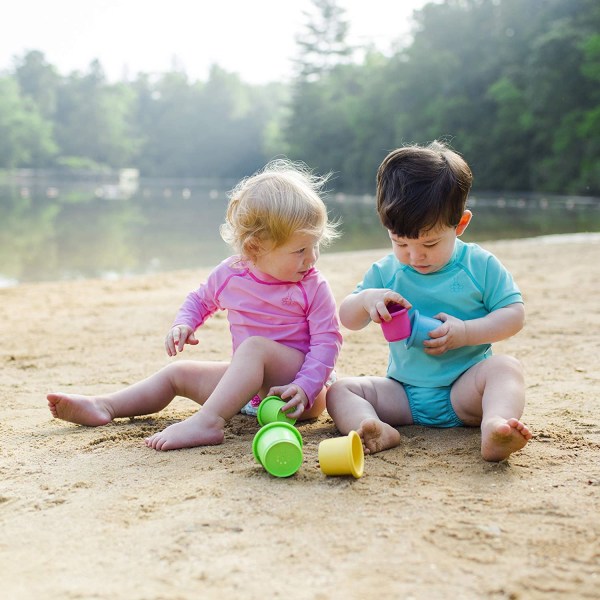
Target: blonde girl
[[281, 312]]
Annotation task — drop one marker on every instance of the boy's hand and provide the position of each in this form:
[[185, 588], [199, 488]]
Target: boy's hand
[[294, 397], [178, 337], [451, 334], [376, 301]]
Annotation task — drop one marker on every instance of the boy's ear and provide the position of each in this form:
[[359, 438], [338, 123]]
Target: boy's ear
[[464, 222]]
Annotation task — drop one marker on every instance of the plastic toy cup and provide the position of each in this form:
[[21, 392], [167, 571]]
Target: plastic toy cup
[[278, 448], [269, 411], [342, 455], [399, 327], [420, 327]]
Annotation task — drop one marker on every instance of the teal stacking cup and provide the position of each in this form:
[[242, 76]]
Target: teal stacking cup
[[269, 411], [278, 448], [420, 326]]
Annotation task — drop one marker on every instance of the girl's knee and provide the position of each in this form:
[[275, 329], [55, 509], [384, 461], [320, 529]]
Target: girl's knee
[[176, 369], [254, 342], [258, 346]]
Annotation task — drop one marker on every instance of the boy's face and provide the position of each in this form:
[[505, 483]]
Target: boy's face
[[432, 250]]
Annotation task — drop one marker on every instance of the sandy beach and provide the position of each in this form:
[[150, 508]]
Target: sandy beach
[[93, 513]]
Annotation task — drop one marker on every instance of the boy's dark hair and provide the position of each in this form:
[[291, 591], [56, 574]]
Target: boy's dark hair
[[420, 188]]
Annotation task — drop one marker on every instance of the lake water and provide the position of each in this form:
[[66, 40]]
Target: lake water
[[59, 229]]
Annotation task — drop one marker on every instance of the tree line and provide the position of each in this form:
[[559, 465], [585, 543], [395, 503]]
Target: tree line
[[511, 84]]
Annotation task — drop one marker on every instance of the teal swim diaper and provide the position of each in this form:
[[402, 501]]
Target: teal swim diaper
[[431, 407]]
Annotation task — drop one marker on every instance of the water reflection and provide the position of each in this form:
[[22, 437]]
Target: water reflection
[[64, 230]]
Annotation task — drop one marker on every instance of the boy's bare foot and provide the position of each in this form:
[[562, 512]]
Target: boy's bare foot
[[84, 410], [500, 438], [377, 436], [197, 430]]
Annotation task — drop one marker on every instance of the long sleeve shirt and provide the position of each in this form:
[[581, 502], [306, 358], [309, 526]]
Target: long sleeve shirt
[[300, 315]]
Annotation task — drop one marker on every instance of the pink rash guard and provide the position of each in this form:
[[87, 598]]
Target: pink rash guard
[[300, 315]]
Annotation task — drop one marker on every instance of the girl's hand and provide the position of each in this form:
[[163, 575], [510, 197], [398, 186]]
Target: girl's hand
[[376, 301], [448, 336], [178, 337], [295, 397]]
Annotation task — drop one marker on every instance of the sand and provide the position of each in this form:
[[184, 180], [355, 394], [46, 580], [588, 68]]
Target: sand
[[94, 513]]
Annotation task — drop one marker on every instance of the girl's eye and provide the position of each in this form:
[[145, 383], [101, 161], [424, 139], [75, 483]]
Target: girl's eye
[[301, 250]]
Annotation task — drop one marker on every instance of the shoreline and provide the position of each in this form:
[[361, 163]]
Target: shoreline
[[574, 238]]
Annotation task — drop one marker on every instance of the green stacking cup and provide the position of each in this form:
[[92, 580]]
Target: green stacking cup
[[278, 448], [269, 411]]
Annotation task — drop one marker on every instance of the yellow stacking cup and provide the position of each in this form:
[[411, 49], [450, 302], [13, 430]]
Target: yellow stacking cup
[[342, 455]]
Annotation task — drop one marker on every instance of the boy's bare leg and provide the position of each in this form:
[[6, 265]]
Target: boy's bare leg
[[371, 406], [195, 380], [257, 365], [492, 394]]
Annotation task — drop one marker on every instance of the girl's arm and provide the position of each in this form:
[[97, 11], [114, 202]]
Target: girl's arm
[[325, 343], [196, 308]]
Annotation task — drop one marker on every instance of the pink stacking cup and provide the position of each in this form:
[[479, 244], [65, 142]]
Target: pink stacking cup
[[399, 327]]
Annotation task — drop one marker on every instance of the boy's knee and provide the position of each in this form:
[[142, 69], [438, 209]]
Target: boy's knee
[[335, 391], [511, 363], [508, 365]]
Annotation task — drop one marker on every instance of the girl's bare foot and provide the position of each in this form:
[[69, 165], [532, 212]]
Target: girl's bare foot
[[377, 436], [197, 430], [501, 437], [84, 410]]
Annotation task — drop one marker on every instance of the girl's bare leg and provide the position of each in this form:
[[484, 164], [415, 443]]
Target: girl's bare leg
[[316, 409], [195, 380], [492, 394], [257, 365], [371, 406]]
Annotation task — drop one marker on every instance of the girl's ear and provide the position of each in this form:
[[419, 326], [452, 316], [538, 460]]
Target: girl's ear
[[464, 222], [252, 248]]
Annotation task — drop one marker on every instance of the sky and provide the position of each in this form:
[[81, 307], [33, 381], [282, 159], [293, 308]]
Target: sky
[[255, 39]]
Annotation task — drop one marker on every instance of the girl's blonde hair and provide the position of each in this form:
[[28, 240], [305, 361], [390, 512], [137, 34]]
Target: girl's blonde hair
[[273, 204]]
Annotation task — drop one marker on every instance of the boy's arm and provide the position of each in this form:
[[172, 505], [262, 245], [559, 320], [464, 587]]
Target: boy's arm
[[359, 309], [498, 325]]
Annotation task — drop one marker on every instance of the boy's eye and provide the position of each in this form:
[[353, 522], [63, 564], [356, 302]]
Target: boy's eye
[[431, 245]]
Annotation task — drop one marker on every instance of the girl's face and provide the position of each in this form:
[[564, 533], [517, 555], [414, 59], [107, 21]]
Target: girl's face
[[290, 261], [432, 250]]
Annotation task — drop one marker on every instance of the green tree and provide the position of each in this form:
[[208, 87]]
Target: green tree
[[25, 136], [323, 44], [94, 119], [39, 81]]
